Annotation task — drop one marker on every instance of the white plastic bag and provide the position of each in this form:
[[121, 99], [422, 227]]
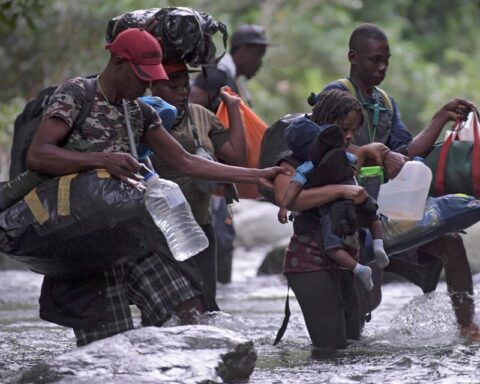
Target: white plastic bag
[[465, 132]]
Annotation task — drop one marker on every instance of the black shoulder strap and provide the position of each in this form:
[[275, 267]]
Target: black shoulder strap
[[196, 137], [146, 113], [283, 328], [90, 86]]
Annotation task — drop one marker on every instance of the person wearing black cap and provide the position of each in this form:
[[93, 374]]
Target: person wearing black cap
[[247, 48]]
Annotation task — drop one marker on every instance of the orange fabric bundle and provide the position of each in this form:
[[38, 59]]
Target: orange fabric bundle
[[255, 128]]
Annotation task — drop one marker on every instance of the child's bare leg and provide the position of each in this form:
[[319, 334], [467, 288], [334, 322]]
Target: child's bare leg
[[343, 259], [381, 257]]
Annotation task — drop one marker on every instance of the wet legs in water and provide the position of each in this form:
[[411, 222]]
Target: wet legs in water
[[451, 251]]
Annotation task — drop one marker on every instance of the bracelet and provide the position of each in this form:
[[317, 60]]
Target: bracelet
[[385, 154]]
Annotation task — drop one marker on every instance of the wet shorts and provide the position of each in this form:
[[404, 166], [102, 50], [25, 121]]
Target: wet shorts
[[154, 285]]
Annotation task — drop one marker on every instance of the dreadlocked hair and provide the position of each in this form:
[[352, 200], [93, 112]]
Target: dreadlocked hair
[[333, 106]]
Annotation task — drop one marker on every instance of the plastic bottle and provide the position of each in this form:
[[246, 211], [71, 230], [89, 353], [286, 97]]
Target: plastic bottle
[[404, 197], [371, 178], [172, 214]]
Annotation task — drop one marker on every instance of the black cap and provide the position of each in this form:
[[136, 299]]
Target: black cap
[[249, 34]]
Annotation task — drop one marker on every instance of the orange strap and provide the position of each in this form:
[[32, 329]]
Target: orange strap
[[442, 160], [476, 155]]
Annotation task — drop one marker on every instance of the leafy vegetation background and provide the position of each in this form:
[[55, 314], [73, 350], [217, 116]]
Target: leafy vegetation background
[[434, 46]]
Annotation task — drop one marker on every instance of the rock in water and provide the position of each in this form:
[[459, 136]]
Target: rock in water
[[272, 264], [184, 354], [256, 224]]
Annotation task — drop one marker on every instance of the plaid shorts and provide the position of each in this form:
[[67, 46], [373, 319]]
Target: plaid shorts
[[156, 287]]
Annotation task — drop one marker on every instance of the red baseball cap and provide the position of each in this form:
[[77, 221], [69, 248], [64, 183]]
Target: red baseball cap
[[142, 51]]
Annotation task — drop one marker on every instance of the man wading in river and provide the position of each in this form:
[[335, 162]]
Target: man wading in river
[[369, 55], [97, 305]]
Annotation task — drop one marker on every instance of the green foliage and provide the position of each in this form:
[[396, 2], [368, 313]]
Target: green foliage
[[434, 44], [8, 112], [12, 11]]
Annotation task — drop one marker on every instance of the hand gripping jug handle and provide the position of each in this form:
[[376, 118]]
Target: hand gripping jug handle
[[405, 196]]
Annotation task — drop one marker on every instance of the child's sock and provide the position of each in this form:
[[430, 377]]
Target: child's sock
[[380, 255], [364, 273]]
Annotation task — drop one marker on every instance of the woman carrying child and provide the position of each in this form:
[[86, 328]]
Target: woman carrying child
[[325, 292], [325, 162]]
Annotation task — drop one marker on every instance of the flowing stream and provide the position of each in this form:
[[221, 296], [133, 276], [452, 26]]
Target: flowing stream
[[412, 338]]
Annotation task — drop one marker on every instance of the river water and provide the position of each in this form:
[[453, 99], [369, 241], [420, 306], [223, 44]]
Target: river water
[[412, 338]]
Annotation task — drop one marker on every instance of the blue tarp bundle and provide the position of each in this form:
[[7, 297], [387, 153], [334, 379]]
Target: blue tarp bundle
[[449, 213]]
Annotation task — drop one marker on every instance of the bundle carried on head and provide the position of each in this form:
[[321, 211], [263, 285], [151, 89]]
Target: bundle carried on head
[[185, 33]]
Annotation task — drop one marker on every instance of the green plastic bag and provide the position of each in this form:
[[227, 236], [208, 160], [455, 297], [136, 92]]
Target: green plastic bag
[[458, 171]]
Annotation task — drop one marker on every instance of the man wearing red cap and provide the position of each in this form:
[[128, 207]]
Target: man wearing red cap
[[97, 306]]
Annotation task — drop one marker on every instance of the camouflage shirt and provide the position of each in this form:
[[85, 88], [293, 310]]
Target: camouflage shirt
[[104, 129]]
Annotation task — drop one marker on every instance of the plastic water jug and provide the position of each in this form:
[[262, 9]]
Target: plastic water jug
[[172, 214], [404, 197]]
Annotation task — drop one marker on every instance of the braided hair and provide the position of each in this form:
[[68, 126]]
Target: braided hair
[[334, 105]]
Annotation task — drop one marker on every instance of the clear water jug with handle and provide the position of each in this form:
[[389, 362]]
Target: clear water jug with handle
[[404, 197], [172, 214]]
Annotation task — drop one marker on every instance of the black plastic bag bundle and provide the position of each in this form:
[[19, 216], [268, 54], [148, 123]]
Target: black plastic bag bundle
[[273, 146], [185, 33], [14, 190], [68, 226]]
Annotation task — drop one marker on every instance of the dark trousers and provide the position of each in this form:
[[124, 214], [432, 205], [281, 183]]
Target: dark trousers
[[225, 235], [206, 262], [330, 306]]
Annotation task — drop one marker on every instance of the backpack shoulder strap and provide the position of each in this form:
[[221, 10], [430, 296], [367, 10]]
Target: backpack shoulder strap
[[351, 89], [90, 87], [348, 85], [386, 98], [286, 318], [146, 111]]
